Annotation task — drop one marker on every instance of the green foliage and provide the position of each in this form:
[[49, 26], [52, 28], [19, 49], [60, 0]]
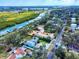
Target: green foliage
[[60, 53], [45, 39], [15, 18], [2, 49], [71, 55]]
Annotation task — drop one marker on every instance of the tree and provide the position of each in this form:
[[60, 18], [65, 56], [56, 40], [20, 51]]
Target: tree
[[71, 55], [60, 53]]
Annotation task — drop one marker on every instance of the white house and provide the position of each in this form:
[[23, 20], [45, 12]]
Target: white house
[[73, 27], [73, 20]]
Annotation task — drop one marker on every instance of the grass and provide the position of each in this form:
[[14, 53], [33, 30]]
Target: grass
[[10, 18], [26, 38], [43, 42], [3, 54]]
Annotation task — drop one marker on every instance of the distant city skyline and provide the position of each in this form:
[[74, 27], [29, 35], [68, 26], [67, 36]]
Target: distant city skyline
[[39, 2]]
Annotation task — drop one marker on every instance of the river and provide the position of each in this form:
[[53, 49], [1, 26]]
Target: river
[[18, 26]]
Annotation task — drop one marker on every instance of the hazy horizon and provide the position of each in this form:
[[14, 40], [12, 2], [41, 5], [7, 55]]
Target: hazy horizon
[[39, 2]]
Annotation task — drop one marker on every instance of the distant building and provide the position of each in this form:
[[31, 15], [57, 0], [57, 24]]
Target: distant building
[[35, 9], [73, 27], [73, 20], [25, 9]]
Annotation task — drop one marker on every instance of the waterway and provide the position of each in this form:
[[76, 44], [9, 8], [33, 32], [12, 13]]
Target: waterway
[[18, 26]]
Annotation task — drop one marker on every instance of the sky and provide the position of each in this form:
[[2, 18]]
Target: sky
[[38, 2]]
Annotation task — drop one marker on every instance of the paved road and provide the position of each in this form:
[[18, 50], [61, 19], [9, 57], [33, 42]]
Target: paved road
[[18, 26], [56, 43]]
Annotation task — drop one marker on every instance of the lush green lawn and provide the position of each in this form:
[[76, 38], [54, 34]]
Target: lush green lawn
[[11, 18]]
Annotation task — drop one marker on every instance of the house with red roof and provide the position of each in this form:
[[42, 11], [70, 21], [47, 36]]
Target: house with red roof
[[17, 54]]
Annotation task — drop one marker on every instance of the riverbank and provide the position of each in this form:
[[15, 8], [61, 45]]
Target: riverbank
[[18, 26], [8, 19]]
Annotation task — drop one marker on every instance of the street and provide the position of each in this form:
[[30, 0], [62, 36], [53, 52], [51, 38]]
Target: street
[[57, 43]]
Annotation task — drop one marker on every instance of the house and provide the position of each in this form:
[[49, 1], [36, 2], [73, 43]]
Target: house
[[18, 53], [73, 20], [31, 43], [12, 56], [73, 27]]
